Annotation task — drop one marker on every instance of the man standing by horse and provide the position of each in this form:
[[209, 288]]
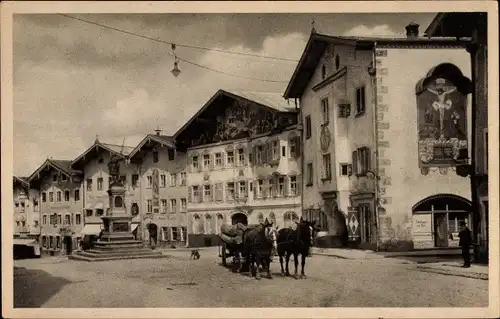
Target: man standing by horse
[[258, 246]]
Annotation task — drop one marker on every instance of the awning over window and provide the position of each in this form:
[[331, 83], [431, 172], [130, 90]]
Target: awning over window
[[91, 229], [25, 241]]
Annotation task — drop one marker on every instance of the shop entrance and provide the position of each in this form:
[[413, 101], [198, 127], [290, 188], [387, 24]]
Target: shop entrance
[[68, 244]]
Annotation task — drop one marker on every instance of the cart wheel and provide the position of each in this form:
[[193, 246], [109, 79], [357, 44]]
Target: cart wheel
[[223, 255]]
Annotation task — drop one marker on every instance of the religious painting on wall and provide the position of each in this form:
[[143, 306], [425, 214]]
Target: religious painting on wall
[[239, 119], [156, 193], [442, 118]]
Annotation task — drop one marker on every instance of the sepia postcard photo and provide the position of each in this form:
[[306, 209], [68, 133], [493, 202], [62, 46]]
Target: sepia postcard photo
[[253, 159]]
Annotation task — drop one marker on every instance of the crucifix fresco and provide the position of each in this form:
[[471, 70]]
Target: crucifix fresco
[[442, 118]]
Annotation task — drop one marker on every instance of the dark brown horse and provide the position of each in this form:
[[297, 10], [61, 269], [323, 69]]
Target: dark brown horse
[[258, 246], [296, 242]]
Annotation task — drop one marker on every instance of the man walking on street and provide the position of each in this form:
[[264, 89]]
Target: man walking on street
[[465, 242]]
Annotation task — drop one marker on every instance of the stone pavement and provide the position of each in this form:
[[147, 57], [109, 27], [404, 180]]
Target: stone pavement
[[346, 253], [453, 269]]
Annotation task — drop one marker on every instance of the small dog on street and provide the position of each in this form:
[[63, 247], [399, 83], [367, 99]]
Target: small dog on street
[[195, 254]]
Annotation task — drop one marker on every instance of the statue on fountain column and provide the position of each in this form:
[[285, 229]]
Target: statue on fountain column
[[114, 168]]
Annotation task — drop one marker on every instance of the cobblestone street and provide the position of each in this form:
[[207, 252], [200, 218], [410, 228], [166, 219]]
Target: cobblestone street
[[180, 282]]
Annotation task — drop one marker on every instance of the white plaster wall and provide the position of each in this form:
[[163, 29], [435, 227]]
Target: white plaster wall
[[405, 68]]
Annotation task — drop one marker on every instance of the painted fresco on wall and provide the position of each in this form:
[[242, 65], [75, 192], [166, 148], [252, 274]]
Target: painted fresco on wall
[[238, 120], [442, 120], [156, 192]]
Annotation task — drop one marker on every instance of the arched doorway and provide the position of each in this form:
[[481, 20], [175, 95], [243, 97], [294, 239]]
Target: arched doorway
[[153, 233], [436, 220], [290, 218], [239, 218]]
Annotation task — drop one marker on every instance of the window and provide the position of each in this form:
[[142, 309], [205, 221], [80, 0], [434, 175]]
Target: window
[[195, 162], [323, 221], [220, 221], [78, 219], [206, 161], [344, 110], [218, 192], [183, 178], [230, 191], [36, 208], [293, 186], [290, 218], [274, 151], [281, 186], [163, 206], [173, 206], [230, 158], [361, 161], [123, 179], [242, 190], [360, 100], [208, 224], [196, 194], [59, 219], [241, 157], [51, 197], [197, 225], [135, 180], [173, 180], [171, 154], [44, 219], [58, 196], [66, 196], [99, 212], [54, 178], [260, 187], [207, 194], [58, 242], [325, 110], [150, 181], [89, 184], [64, 178], [260, 218], [259, 154], [218, 159], [323, 72], [155, 156], [183, 205], [44, 197], [308, 127], [77, 195], [35, 224], [163, 180], [365, 217], [293, 146], [327, 167], [67, 219], [344, 169], [89, 213], [283, 151], [309, 175], [150, 206], [175, 234], [99, 184]]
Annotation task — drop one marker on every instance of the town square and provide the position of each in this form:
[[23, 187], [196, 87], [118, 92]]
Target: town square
[[269, 160]]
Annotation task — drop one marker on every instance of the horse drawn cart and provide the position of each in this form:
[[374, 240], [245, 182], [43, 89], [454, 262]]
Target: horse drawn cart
[[231, 238]]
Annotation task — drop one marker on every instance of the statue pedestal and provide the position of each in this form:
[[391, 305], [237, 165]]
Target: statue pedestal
[[117, 228]]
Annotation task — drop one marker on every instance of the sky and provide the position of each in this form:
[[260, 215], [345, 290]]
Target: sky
[[74, 81]]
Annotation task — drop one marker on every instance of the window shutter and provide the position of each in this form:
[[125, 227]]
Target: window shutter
[[265, 190], [255, 186], [264, 153], [212, 161], [355, 162], [298, 146], [287, 185], [212, 192], [368, 159], [190, 194], [299, 184], [237, 190]]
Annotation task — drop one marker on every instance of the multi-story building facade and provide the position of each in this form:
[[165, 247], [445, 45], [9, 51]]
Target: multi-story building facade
[[93, 163], [473, 25], [58, 188], [379, 143], [162, 189], [26, 208], [243, 152]]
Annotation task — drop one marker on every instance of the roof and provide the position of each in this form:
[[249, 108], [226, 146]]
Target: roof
[[269, 100], [113, 148], [317, 44], [64, 166], [161, 139], [22, 180], [454, 24]]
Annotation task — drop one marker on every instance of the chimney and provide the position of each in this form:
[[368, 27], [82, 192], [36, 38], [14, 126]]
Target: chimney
[[158, 131], [412, 30]]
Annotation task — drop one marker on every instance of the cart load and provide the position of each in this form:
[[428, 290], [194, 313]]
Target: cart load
[[233, 234]]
